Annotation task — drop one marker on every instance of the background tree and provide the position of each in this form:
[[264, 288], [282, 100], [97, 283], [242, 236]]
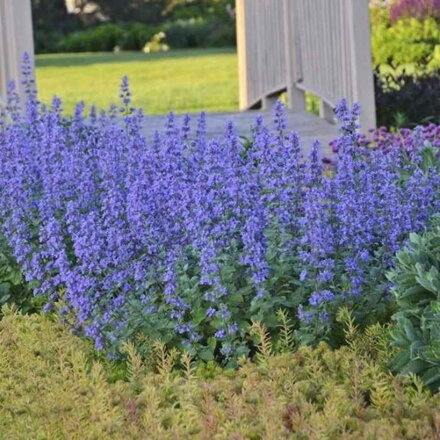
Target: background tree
[[143, 11], [51, 15]]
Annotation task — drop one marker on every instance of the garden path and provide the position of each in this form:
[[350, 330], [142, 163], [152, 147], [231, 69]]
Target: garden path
[[308, 126]]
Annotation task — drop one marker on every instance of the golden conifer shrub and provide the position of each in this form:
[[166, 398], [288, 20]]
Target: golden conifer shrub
[[52, 386]]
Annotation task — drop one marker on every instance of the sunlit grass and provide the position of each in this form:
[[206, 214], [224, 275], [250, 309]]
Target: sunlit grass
[[181, 80]]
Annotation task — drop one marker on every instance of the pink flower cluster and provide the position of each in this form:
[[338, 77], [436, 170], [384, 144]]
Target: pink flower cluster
[[415, 8]]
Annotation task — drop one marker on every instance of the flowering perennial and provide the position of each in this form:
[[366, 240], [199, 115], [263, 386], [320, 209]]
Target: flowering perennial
[[405, 138], [415, 8], [188, 238]]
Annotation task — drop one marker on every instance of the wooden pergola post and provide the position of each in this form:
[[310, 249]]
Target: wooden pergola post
[[16, 38], [298, 46]]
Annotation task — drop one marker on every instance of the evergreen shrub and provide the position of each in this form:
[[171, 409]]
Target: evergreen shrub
[[53, 386]]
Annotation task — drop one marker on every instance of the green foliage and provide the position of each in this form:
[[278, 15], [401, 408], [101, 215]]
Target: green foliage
[[51, 16], [52, 387], [416, 280], [136, 36], [180, 34], [200, 33], [46, 41], [131, 24], [408, 42], [100, 38], [406, 55], [13, 288], [146, 11], [186, 9], [190, 33], [156, 44], [155, 12], [407, 100]]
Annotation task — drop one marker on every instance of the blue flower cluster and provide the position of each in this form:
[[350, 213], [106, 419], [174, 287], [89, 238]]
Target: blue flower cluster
[[187, 238]]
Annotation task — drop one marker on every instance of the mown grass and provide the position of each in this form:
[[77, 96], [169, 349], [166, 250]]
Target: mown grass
[[183, 81], [180, 80]]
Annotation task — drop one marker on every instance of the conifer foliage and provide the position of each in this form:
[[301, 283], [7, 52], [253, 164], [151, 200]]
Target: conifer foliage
[[51, 386]]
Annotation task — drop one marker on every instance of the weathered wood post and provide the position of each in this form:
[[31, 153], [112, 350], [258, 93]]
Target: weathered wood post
[[261, 51], [299, 46], [16, 38], [296, 96]]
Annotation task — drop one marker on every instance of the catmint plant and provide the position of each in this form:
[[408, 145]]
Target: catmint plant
[[188, 238]]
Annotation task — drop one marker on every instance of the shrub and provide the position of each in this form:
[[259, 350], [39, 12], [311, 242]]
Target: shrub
[[51, 386], [416, 288], [101, 38], [408, 42], [136, 36], [189, 33], [407, 100], [156, 44], [47, 41], [200, 33], [188, 239], [223, 34], [406, 52]]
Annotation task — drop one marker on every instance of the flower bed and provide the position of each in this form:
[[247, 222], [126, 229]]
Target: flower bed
[[187, 239]]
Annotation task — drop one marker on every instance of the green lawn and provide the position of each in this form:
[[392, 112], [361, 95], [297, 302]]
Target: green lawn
[[180, 80]]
